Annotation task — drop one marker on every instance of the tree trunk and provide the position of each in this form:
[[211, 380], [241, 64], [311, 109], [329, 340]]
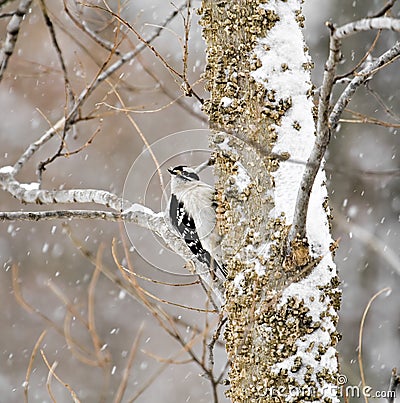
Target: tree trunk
[[282, 294]]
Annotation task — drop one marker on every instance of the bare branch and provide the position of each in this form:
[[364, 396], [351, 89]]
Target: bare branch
[[186, 86], [30, 365], [124, 381], [12, 34], [6, 15], [394, 384], [360, 79], [52, 373], [144, 139], [382, 103], [373, 242], [360, 336], [361, 118], [188, 108], [16, 287], [110, 46], [140, 38], [384, 9], [54, 40], [67, 120], [344, 77]]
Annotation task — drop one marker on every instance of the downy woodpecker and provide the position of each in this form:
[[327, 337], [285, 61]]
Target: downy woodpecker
[[192, 213]]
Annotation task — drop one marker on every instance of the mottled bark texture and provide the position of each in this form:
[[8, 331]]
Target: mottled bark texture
[[281, 325]]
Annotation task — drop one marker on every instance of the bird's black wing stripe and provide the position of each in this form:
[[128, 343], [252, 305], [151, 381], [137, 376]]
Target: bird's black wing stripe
[[185, 226]]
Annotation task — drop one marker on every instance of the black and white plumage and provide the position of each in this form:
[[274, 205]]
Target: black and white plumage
[[192, 213]]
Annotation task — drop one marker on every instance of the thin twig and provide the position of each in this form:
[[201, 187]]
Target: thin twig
[[25, 305], [36, 145], [29, 308], [384, 9], [185, 83], [82, 25], [171, 361], [31, 361], [361, 61], [103, 356], [102, 75], [360, 338], [82, 147], [49, 376], [214, 340], [147, 383], [372, 242], [139, 37], [362, 77], [70, 117], [164, 301], [56, 45], [145, 141], [381, 102], [394, 384], [95, 56], [219, 380], [97, 344], [78, 351], [185, 53], [124, 381], [364, 119], [154, 281], [166, 321], [52, 373]]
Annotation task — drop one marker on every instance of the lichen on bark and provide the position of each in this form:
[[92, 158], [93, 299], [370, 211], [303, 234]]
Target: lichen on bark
[[268, 328]]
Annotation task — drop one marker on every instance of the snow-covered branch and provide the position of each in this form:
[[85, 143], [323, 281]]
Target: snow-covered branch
[[33, 147], [327, 119], [314, 160], [59, 214], [12, 34], [367, 24], [29, 193]]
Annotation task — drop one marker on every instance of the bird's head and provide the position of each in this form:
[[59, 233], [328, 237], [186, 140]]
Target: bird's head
[[184, 173]]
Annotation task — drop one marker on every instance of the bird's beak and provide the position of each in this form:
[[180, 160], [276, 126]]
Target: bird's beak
[[174, 172]]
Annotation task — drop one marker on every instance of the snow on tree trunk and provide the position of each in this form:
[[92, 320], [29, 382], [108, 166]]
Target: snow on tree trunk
[[282, 296]]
